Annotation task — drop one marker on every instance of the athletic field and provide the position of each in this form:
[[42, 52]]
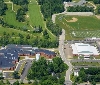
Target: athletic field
[[79, 27]]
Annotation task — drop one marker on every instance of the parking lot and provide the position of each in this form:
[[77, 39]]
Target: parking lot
[[68, 51], [8, 75]]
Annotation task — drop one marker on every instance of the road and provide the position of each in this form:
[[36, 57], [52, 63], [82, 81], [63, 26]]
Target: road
[[72, 13], [61, 51]]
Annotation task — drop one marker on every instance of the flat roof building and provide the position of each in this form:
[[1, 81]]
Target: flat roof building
[[84, 49]]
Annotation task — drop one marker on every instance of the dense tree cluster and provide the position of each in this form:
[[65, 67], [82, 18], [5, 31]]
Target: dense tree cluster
[[95, 1], [55, 29], [21, 12], [20, 15], [3, 7], [7, 38], [16, 75], [98, 9], [49, 7], [80, 9], [50, 72], [90, 74], [20, 2]]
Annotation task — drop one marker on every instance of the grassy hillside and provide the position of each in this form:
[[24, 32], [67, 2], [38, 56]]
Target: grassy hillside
[[33, 18]]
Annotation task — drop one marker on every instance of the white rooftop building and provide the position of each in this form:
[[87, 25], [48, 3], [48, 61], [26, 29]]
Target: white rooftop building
[[84, 49]]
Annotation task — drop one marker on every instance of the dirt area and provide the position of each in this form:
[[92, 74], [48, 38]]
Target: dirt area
[[68, 51], [72, 20], [27, 16], [98, 16]]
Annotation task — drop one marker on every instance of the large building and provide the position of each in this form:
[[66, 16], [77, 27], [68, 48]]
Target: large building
[[9, 55], [84, 49]]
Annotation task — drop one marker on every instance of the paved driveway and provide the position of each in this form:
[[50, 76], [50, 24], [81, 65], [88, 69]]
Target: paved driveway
[[68, 51]]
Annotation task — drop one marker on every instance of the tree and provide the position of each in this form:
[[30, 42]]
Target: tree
[[74, 83], [8, 83], [61, 80], [93, 82], [1, 75], [98, 9], [28, 36], [47, 75], [3, 7], [45, 32], [16, 75], [1, 82], [16, 83], [35, 82]]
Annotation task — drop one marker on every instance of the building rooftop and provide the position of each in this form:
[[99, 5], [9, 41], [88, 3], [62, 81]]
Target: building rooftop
[[44, 51], [84, 49]]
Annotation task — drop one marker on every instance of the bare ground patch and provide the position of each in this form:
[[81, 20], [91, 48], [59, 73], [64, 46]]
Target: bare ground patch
[[72, 20], [98, 16]]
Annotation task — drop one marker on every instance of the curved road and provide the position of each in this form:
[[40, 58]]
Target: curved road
[[61, 51]]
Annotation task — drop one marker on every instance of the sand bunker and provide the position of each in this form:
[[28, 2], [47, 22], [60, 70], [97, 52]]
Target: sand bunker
[[72, 20]]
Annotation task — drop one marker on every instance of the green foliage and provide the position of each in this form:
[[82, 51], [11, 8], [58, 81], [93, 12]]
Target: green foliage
[[49, 7], [3, 7], [55, 29], [16, 75], [96, 1], [87, 75], [16, 83], [48, 73], [98, 9], [8, 83], [80, 9], [20, 2], [20, 15]]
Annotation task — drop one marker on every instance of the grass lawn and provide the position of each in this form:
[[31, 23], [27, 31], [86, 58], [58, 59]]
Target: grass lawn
[[86, 64], [11, 30], [21, 68], [34, 19], [10, 18], [72, 77], [97, 57], [84, 26], [21, 58]]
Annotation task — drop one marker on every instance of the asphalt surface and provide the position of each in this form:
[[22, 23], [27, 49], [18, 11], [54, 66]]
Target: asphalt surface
[[72, 13], [61, 51], [19, 65], [26, 68]]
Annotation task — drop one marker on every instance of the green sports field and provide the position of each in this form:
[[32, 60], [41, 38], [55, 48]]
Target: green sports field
[[79, 27]]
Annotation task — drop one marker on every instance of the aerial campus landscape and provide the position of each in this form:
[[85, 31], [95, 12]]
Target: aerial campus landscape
[[49, 42]]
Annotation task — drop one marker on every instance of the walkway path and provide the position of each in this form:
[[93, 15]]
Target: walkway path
[[10, 3], [92, 5]]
